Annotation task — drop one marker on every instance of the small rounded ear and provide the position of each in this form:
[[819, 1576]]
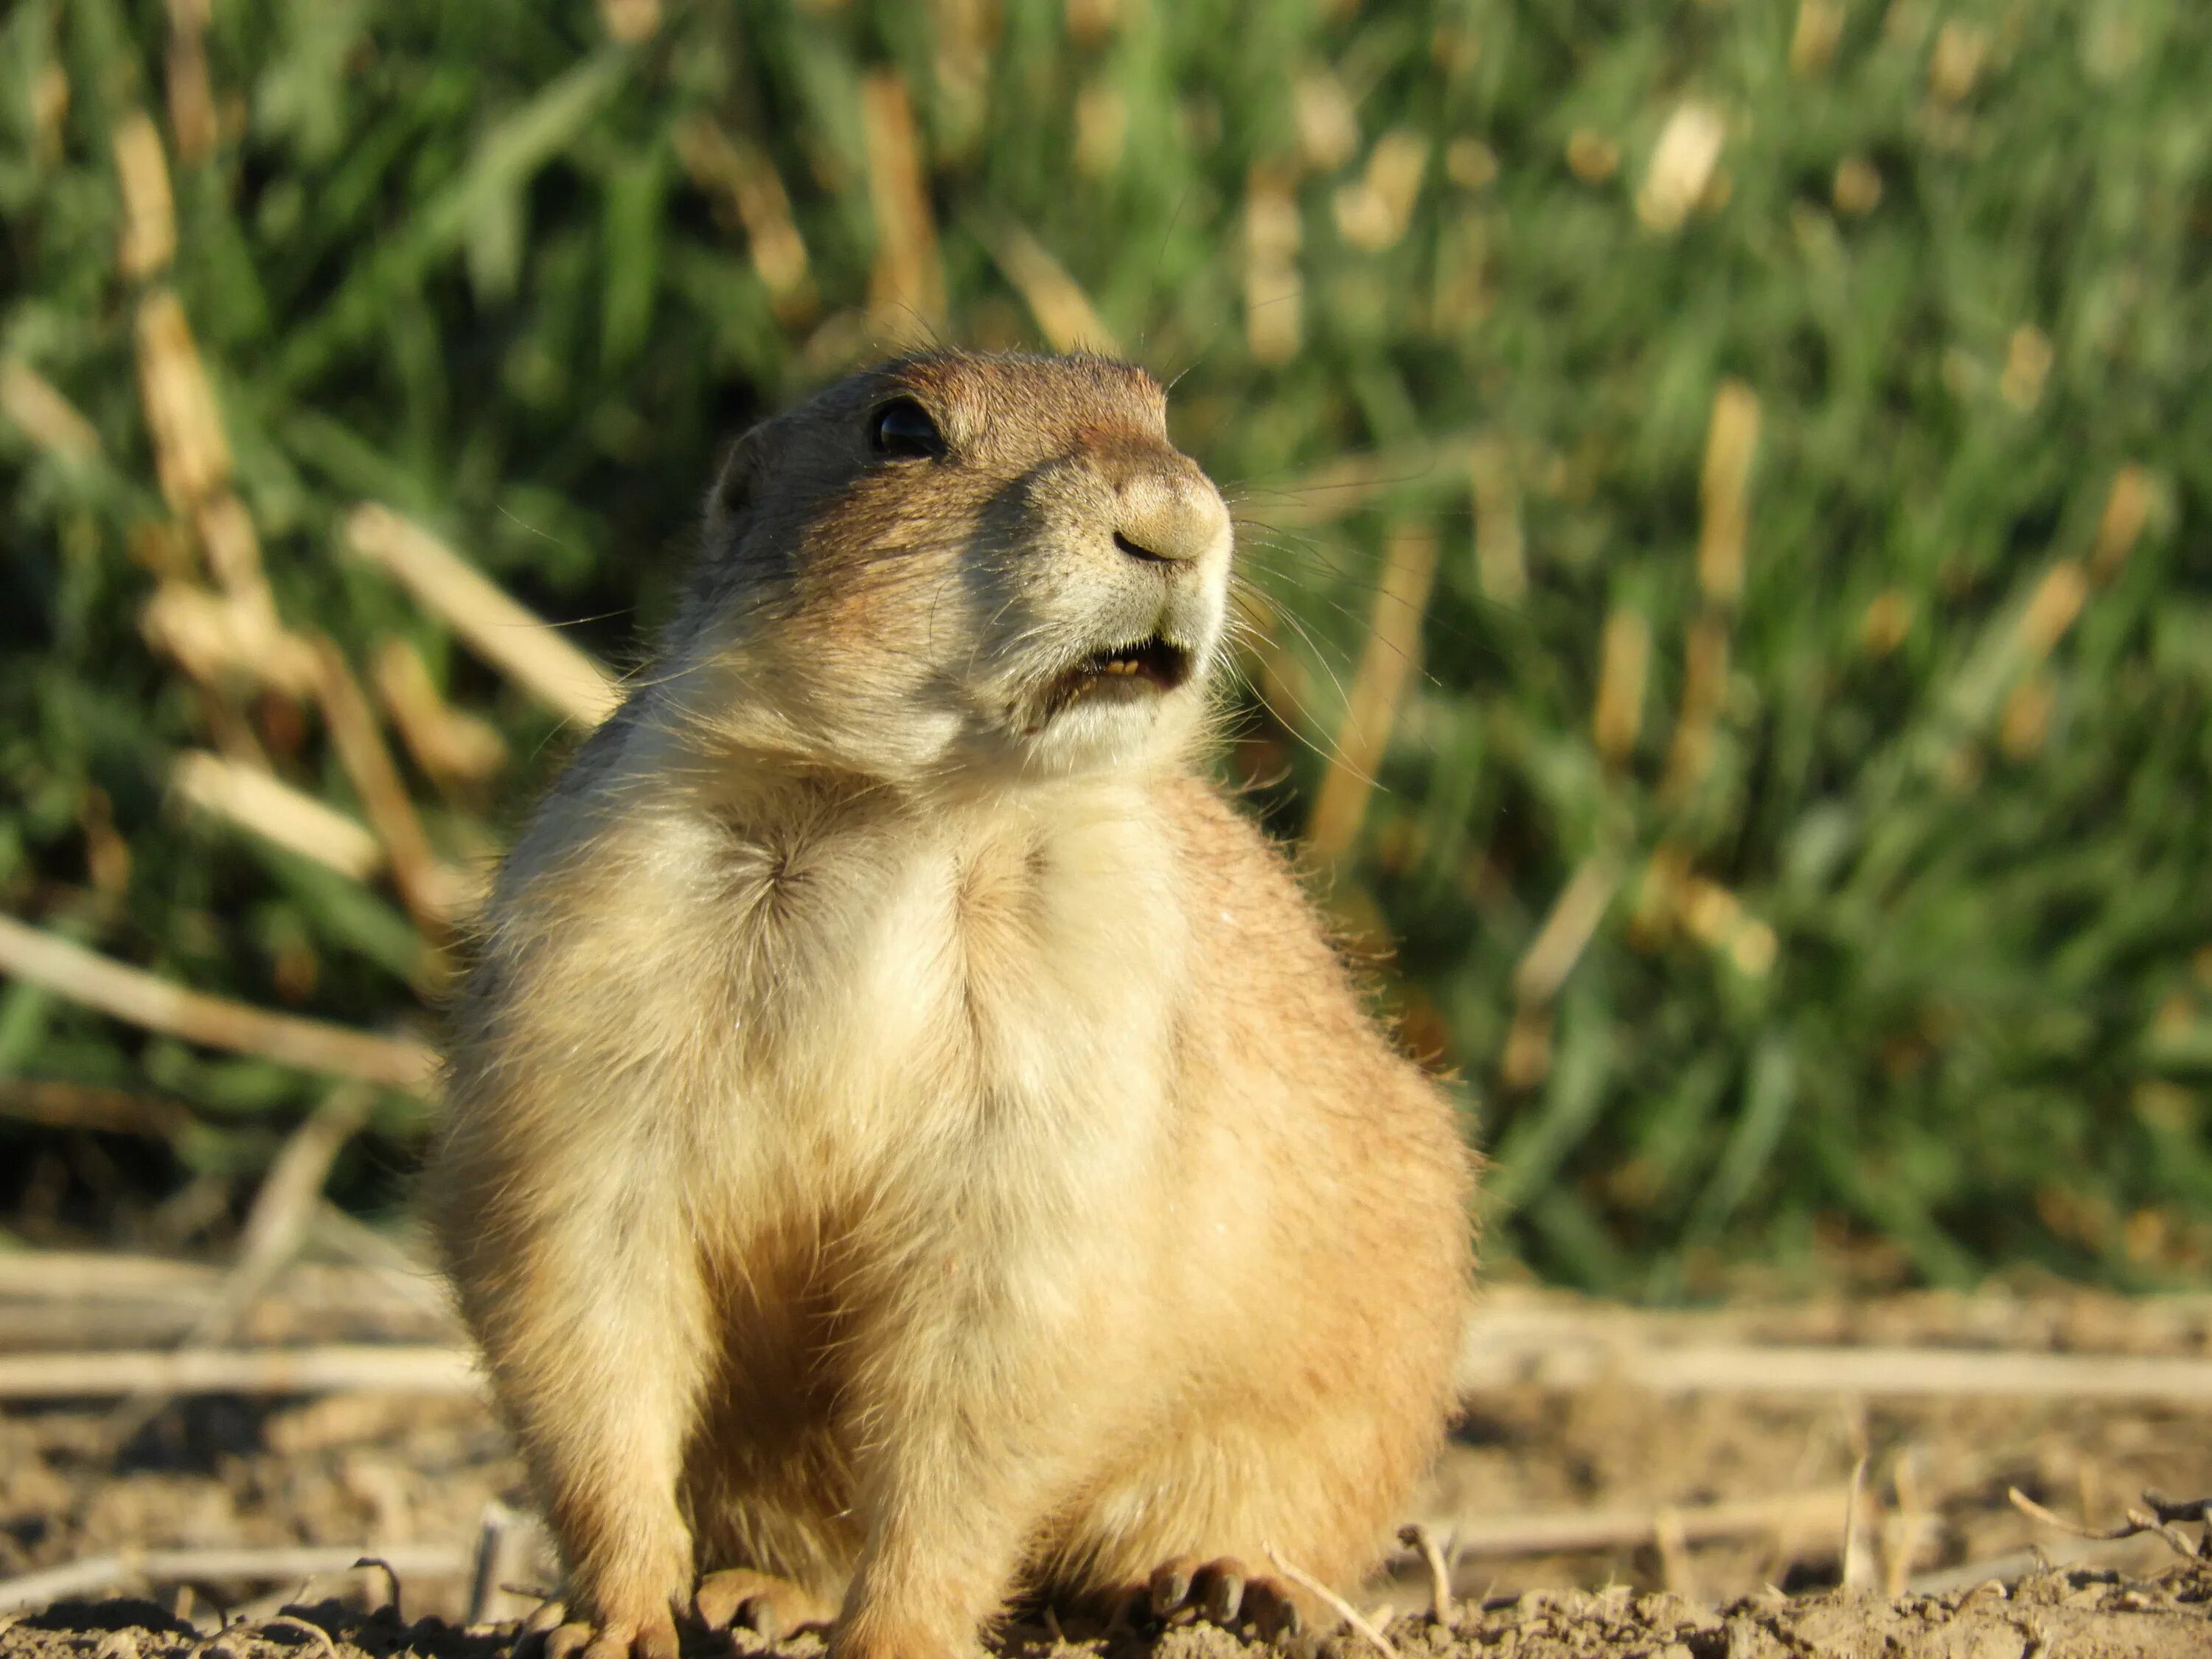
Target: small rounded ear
[[731, 499]]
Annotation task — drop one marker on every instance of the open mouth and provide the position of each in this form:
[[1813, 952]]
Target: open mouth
[[1147, 668]]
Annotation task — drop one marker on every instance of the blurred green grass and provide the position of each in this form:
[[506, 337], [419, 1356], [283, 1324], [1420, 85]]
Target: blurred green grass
[[1864, 937]]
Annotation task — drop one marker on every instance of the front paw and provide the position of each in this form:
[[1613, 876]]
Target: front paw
[[653, 1637], [1225, 1591]]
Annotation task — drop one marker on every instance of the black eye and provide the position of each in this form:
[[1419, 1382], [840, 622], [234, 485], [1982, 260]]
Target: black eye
[[903, 427]]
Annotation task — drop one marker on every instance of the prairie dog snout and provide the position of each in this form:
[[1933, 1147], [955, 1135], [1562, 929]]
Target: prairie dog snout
[[911, 1144]]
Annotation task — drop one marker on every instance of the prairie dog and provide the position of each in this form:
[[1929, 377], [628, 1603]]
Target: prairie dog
[[911, 1145]]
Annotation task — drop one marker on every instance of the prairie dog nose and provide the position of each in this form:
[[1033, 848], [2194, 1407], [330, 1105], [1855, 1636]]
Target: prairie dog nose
[[1167, 515]]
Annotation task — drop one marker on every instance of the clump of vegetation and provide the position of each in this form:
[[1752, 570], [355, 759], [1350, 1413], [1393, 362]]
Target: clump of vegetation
[[1724, 494]]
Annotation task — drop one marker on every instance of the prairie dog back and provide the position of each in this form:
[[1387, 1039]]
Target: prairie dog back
[[912, 1145]]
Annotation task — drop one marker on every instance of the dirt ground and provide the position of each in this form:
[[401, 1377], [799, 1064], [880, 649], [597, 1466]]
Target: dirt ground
[[1586, 1512], [2078, 1614]]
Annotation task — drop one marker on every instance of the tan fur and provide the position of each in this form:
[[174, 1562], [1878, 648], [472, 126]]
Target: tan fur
[[916, 1144]]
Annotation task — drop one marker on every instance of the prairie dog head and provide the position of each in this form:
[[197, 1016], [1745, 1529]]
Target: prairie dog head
[[959, 566]]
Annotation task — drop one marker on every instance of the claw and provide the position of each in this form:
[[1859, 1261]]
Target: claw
[[1170, 1586], [1274, 1613], [1220, 1588]]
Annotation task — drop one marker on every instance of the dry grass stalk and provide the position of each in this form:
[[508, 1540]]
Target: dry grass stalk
[[426, 887], [276, 1564], [1090, 22], [1591, 156], [2051, 609], [1704, 684], [1907, 1526], [1274, 291], [1858, 1565], [1527, 1057], [2127, 510], [495, 626], [1374, 212], [1423, 1542], [258, 801], [1813, 43], [1561, 1532], [1659, 895], [88, 1106], [1064, 313], [214, 639], [142, 998], [1731, 438], [2025, 721], [148, 240], [329, 1368], [1102, 128], [1856, 187], [454, 746], [1328, 127], [1682, 167], [1956, 63], [629, 21], [738, 170], [1887, 621], [275, 1226], [1623, 665], [48, 419], [966, 39], [1714, 916], [1501, 563], [192, 98], [1336, 1603], [192, 456], [506, 1541], [1568, 1360], [2028, 356], [49, 110], [1559, 943], [234, 553], [1386, 663], [1676, 1570], [906, 289], [2158, 1514]]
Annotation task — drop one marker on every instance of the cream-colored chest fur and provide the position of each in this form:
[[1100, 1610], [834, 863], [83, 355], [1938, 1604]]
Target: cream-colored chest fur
[[857, 996]]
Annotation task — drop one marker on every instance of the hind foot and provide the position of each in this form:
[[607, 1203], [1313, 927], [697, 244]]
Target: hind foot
[[768, 1606], [1225, 1591]]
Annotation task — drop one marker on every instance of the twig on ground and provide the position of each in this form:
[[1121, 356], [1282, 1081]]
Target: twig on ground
[[391, 1579], [2157, 1516], [142, 998], [36, 1589], [292, 1621], [1856, 1568], [1567, 1532], [274, 1226], [1336, 1603], [1418, 1538], [1666, 1536], [1566, 1360], [390, 1368], [503, 1544]]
